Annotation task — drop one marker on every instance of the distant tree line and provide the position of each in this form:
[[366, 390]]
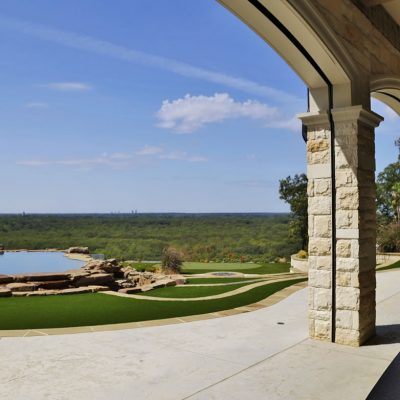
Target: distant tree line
[[199, 237]]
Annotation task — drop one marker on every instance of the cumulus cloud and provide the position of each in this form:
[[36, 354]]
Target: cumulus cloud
[[68, 86], [190, 113], [187, 114]]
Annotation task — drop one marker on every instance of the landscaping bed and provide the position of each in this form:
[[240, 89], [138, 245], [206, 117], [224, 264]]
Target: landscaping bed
[[100, 309]]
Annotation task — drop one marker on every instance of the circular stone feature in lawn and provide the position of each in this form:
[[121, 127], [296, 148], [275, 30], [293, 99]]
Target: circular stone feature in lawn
[[224, 273]]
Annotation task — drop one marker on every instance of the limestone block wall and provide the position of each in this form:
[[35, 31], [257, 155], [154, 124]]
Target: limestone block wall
[[319, 225], [355, 224], [354, 293], [372, 52]]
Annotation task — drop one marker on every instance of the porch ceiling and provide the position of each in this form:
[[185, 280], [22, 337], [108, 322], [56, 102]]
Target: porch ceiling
[[393, 8]]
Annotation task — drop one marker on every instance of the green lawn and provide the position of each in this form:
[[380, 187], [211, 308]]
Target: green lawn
[[391, 266], [189, 292], [246, 268], [211, 281], [98, 309]]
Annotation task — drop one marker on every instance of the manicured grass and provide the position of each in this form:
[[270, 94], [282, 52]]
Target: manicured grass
[[189, 292], [203, 281], [218, 266], [246, 268], [98, 309], [391, 266]]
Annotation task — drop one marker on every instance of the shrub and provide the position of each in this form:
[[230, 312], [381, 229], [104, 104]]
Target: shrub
[[171, 260], [389, 238], [302, 254]]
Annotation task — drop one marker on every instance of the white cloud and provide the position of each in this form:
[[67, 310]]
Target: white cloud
[[291, 124], [92, 45], [68, 86], [149, 151], [187, 114], [182, 156], [36, 104], [117, 160]]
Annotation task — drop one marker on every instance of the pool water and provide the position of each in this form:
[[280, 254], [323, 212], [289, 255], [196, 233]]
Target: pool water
[[24, 262]]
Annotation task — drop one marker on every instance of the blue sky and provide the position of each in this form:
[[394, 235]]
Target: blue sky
[[116, 106]]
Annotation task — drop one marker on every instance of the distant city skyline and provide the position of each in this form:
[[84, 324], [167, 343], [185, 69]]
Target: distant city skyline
[[177, 107]]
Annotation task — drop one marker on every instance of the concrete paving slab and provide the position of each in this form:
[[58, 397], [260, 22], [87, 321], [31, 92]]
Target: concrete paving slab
[[264, 354]]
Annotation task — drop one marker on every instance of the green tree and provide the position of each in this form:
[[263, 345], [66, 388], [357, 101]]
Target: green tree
[[294, 192], [388, 193]]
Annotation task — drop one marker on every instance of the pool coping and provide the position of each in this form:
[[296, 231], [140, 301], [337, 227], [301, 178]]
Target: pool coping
[[267, 302]]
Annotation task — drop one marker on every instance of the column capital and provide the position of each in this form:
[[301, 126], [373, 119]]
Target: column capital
[[356, 113], [315, 118]]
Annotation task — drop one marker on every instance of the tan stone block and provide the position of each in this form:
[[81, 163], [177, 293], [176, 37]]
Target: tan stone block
[[321, 315], [347, 319], [322, 226], [345, 178], [317, 145], [347, 337], [343, 248], [319, 246], [322, 330], [347, 298], [347, 198], [320, 262], [310, 225], [319, 278], [347, 159], [355, 248], [322, 134], [310, 297], [322, 187], [347, 264], [310, 188], [347, 219], [343, 278], [320, 205], [322, 299], [320, 157]]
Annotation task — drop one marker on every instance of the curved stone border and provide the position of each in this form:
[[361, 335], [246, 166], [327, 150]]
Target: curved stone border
[[267, 302], [220, 284], [234, 292]]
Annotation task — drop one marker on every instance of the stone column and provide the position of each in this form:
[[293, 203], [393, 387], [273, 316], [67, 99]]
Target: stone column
[[319, 224], [355, 224]]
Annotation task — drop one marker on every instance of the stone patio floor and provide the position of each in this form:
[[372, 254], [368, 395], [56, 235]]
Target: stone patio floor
[[264, 354]]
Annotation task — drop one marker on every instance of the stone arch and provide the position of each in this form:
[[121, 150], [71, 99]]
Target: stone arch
[[387, 89], [303, 39], [315, 37]]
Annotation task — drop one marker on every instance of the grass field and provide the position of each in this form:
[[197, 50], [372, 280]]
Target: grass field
[[219, 266], [391, 266], [205, 281], [202, 267], [246, 268], [189, 292], [99, 309]]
